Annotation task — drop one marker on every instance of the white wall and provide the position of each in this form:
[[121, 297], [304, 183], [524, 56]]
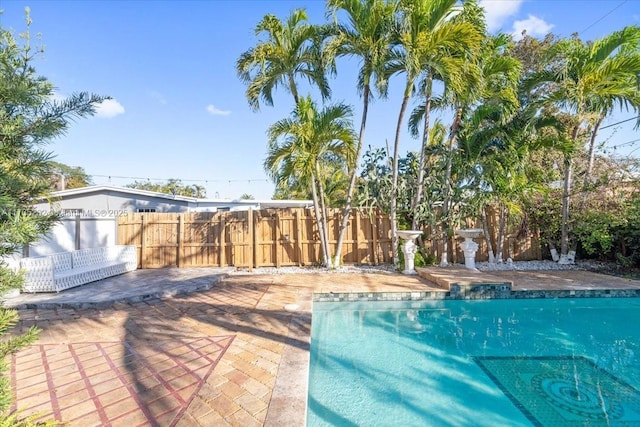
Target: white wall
[[93, 232], [12, 261]]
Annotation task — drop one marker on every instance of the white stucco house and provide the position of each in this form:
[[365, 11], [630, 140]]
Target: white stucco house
[[106, 200], [89, 214]]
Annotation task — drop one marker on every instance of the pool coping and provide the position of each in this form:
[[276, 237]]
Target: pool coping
[[476, 291], [288, 405]]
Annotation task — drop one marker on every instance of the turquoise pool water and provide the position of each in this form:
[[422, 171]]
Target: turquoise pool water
[[561, 362]]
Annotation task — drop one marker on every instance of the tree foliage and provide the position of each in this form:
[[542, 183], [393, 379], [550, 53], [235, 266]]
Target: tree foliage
[[173, 186], [65, 177], [290, 49], [586, 80]]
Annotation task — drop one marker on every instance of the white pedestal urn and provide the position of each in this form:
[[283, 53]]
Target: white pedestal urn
[[409, 249], [569, 258], [469, 247]]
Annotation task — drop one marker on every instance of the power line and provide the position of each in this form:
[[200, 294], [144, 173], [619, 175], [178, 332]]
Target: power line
[[623, 121], [615, 147], [206, 181], [605, 15]]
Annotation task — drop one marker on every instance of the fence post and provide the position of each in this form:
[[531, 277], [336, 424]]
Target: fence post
[[374, 235], [223, 245], [277, 242], [357, 239], [252, 234], [143, 244], [298, 246], [257, 221], [180, 238], [78, 226]]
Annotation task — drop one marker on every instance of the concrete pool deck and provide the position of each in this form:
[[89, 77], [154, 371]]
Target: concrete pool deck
[[200, 347]]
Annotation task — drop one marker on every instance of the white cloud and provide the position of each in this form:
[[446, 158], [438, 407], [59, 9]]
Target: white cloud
[[109, 108], [215, 111], [498, 11], [533, 25]]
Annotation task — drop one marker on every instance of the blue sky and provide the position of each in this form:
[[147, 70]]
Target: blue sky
[[179, 109]]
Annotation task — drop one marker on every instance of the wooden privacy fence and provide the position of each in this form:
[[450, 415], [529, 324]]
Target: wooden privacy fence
[[253, 238], [516, 248], [519, 248]]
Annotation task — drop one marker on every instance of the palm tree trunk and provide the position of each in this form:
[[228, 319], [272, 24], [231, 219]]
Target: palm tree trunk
[[352, 183], [325, 226], [323, 210], [423, 154], [592, 151], [501, 231], [487, 236], [293, 89], [566, 191], [394, 180], [319, 222], [588, 173], [566, 199], [447, 187]]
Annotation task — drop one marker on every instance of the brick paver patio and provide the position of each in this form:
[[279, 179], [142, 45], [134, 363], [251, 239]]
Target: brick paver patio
[[210, 358]]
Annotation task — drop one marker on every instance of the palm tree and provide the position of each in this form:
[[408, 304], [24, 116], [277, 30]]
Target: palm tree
[[427, 37], [602, 109], [334, 178], [300, 145], [447, 45], [366, 36], [591, 76], [291, 50], [491, 79], [499, 143]]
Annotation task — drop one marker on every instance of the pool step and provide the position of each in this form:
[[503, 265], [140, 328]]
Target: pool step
[[463, 283]]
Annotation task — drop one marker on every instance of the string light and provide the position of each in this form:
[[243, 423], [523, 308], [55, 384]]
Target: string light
[[615, 147]]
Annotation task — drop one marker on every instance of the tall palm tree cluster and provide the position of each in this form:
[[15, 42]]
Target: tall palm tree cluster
[[505, 109]]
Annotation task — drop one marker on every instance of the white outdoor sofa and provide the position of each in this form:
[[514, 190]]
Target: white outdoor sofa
[[64, 270]]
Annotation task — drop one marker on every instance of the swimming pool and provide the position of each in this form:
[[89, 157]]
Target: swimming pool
[[560, 362]]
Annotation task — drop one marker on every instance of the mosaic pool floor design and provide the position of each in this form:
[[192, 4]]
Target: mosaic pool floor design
[[564, 391]]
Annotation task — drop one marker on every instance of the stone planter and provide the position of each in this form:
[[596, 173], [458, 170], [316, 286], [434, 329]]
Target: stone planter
[[409, 249], [469, 247]]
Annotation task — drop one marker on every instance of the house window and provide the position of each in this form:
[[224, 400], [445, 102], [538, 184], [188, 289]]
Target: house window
[[145, 210]]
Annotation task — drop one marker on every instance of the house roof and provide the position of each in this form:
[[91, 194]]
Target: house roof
[[134, 191]]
